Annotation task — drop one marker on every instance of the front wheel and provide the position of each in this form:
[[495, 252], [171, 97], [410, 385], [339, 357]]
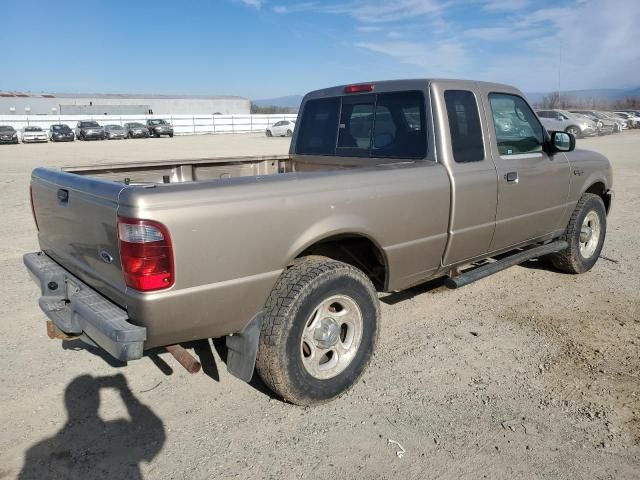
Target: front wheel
[[585, 234], [575, 131], [319, 330], [268, 133], [289, 133]]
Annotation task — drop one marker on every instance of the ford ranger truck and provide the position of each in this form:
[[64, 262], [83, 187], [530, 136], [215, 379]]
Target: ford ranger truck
[[387, 185]]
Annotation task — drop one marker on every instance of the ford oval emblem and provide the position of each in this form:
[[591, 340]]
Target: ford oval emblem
[[106, 256]]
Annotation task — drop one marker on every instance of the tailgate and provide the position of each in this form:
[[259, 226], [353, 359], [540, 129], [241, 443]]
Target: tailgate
[[76, 218]]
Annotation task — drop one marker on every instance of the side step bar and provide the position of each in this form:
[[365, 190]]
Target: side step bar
[[499, 265]]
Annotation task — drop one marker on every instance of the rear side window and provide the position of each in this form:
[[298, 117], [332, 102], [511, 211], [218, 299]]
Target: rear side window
[[464, 125], [385, 125], [319, 127]]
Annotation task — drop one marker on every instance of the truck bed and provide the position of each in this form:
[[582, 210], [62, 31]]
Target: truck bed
[[169, 171]]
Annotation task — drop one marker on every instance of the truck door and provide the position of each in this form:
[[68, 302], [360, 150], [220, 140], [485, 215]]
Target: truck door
[[463, 150], [533, 186]]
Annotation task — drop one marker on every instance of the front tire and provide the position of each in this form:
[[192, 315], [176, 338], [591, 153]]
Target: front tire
[[319, 331], [268, 133], [289, 133], [585, 234], [575, 131]]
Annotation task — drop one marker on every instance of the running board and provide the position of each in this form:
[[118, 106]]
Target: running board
[[499, 265]]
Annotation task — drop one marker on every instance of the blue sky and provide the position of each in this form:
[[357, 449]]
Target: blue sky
[[270, 48]]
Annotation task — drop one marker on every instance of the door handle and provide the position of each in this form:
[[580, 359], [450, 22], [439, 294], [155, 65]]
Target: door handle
[[511, 177]]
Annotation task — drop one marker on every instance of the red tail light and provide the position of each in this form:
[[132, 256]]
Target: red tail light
[[366, 87], [33, 209], [146, 254]]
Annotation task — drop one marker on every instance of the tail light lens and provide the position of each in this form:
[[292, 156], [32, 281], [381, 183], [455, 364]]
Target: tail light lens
[[33, 209], [146, 254]]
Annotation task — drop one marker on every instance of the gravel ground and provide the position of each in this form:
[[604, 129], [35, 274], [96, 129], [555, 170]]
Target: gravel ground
[[529, 373]]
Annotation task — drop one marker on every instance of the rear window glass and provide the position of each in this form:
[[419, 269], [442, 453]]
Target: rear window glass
[[356, 121], [319, 127], [399, 126], [464, 125], [386, 125]]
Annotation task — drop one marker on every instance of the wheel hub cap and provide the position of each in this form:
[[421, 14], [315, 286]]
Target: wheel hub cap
[[326, 334], [331, 337], [586, 233], [589, 234]]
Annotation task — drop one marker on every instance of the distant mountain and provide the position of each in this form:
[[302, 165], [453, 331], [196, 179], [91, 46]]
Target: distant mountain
[[290, 101], [608, 94]]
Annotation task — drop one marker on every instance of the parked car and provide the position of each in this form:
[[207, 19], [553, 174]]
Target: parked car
[[632, 119], [158, 127], [605, 125], [131, 268], [33, 135], [284, 128], [113, 132], [566, 121], [89, 130], [60, 132], [622, 124], [8, 134], [136, 130]]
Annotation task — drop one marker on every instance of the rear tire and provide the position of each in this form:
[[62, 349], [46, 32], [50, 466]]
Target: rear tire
[[268, 133], [585, 234], [319, 331], [289, 133]]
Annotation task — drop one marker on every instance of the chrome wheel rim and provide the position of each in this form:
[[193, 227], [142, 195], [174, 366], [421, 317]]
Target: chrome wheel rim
[[331, 337], [589, 234]]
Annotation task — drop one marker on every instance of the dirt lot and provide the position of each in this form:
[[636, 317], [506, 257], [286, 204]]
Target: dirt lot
[[529, 373]]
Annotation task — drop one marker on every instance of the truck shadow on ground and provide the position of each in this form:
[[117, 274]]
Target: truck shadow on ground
[[87, 447]]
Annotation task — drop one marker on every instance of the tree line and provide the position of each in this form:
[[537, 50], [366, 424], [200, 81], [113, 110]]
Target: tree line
[[557, 100]]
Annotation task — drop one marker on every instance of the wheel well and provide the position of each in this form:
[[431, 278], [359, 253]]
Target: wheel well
[[600, 190], [356, 250]]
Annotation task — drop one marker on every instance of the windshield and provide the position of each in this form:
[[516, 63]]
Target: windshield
[[33, 129], [136, 125], [157, 122], [113, 127], [6, 129], [60, 128], [89, 125]]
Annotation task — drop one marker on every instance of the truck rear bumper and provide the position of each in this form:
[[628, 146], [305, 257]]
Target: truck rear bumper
[[77, 309]]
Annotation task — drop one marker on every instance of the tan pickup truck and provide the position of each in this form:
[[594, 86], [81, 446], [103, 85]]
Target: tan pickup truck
[[387, 185]]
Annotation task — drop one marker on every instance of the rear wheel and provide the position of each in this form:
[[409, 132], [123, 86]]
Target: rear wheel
[[319, 330], [585, 234], [268, 133], [289, 133]]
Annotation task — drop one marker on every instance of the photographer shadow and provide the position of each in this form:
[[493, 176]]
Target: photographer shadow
[[87, 447]]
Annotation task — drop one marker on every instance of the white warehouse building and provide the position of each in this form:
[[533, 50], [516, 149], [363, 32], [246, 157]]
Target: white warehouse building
[[19, 103]]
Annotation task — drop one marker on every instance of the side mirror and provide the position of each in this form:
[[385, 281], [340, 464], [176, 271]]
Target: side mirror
[[562, 142]]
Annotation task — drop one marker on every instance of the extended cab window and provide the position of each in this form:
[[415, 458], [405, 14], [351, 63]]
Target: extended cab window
[[464, 125], [518, 130]]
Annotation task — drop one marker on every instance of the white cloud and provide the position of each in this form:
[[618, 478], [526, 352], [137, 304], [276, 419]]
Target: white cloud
[[369, 11], [437, 59], [251, 3], [505, 5]]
